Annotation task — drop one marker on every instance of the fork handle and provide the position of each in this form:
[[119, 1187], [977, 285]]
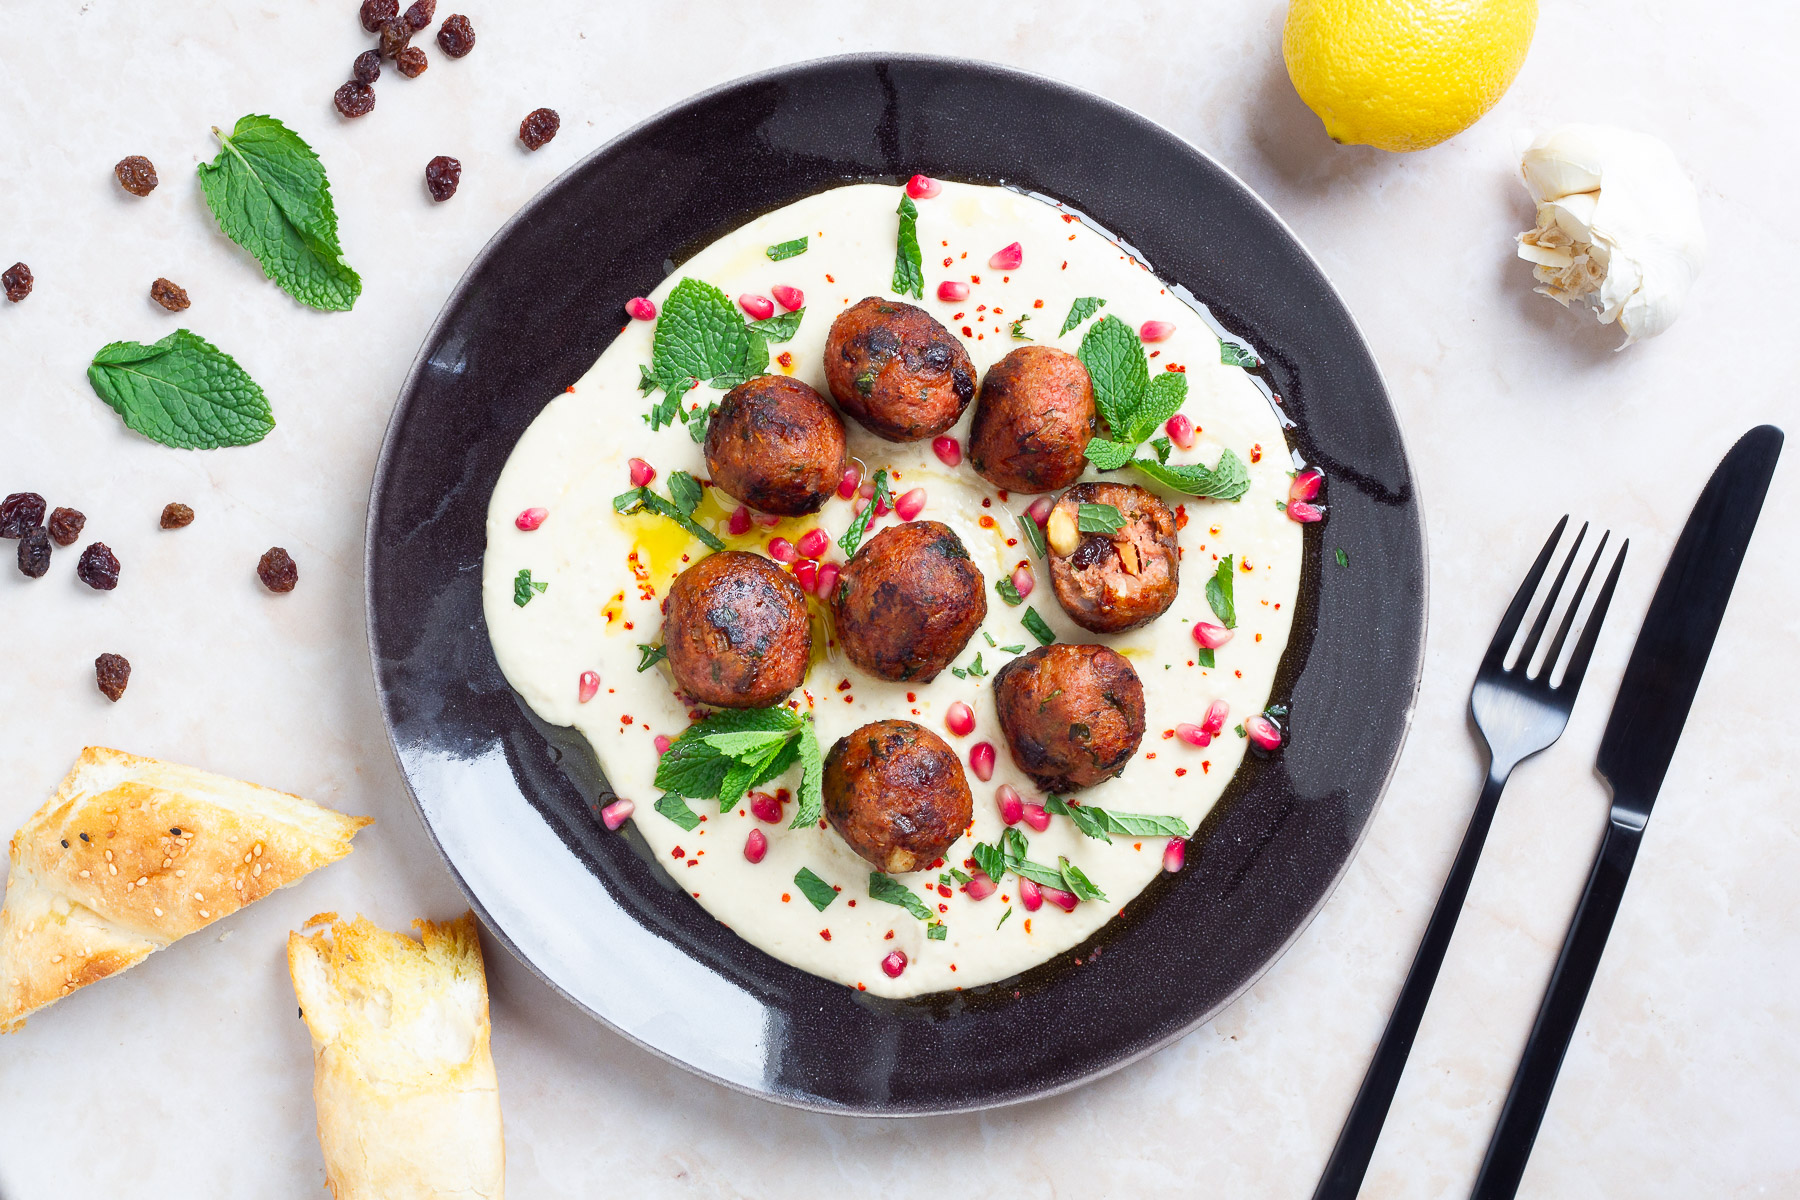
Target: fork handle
[[1510, 1147], [1349, 1161]]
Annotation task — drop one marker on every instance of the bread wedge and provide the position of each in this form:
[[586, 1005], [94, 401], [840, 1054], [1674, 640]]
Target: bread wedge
[[131, 854], [403, 1080]]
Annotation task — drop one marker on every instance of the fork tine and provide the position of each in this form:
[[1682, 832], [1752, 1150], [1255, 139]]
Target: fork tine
[[1562, 634], [1515, 612], [1584, 648], [1529, 649]]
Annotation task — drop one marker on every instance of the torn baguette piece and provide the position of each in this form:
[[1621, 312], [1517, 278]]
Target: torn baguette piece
[[403, 1078], [132, 854]]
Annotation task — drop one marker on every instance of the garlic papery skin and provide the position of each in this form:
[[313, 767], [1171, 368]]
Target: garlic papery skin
[[1618, 226]]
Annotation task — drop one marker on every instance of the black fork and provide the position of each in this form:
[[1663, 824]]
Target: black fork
[[1519, 713]]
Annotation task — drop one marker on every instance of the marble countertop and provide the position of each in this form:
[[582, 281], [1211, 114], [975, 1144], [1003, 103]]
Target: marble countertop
[[187, 1078]]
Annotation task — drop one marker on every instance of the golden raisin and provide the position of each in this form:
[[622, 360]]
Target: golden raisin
[[177, 516], [136, 175], [66, 525], [170, 295]]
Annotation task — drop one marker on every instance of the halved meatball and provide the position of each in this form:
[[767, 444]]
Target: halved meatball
[[896, 370], [1073, 715], [1111, 582], [777, 445], [736, 631], [909, 602], [1033, 418], [895, 793]]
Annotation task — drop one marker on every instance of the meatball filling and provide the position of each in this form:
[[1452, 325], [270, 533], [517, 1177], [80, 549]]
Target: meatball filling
[[1111, 582]]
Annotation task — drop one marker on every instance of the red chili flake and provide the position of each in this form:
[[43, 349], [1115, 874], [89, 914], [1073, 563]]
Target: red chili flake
[[678, 852], [948, 260], [785, 897], [987, 502], [1256, 452], [1181, 517], [912, 697], [862, 987], [1175, 367], [943, 891], [1152, 754], [889, 937], [785, 359], [852, 903], [943, 908], [1070, 217], [625, 720], [1180, 771], [826, 934], [1167, 734], [986, 521], [829, 279], [967, 332], [1206, 766]]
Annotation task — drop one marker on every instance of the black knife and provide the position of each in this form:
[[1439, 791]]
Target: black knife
[[1653, 702]]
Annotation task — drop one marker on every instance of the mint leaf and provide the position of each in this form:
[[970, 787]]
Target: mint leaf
[[1097, 822], [638, 498], [909, 265], [1107, 455], [268, 191], [1008, 593], [853, 536], [695, 767], [1234, 355], [1018, 329], [1203, 656], [1035, 626], [741, 776], [892, 891], [1163, 448], [746, 743], [816, 890], [1229, 480], [699, 335], [1343, 559], [780, 327], [1098, 518], [1034, 536], [1083, 308], [698, 421], [1003, 917], [1219, 594], [1078, 883], [783, 250], [524, 587], [676, 809], [991, 861], [1114, 358], [182, 391], [649, 656], [812, 775], [976, 670], [937, 931], [1038, 873], [1162, 400], [685, 491], [1019, 649]]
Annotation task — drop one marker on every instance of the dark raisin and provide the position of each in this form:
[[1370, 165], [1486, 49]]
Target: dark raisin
[[367, 67], [34, 553], [420, 12], [19, 512], [354, 99], [112, 673], [442, 174], [170, 295], [374, 12], [411, 62], [66, 525], [17, 280], [456, 37], [538, 127], [98, 567], [395, 35], [136, 174], [277, 570], [177, 516]]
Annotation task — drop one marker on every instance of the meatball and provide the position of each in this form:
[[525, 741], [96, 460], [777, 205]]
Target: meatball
[[896, 370], [1073, 715], [1111, 582], [777, 445], [737, 631], [909, 602], [895, 793], [1033, 418]]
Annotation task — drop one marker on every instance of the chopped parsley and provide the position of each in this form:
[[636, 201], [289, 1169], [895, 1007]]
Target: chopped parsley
[[1219, 591], [1234, 355], [1003, 917], [891, 891], [685, 492], [1343, 559], [1018, 329]]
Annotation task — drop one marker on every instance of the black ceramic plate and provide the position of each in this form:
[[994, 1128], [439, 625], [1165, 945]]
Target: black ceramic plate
[[512, 803]]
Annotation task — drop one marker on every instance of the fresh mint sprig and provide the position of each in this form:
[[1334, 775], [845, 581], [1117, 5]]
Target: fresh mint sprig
[[684, 492], [182, 391], [726, 754], [699, 338], [779, 328], [1221, 594]]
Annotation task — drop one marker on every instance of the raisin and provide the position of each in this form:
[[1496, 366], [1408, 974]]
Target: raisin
[[17, 280], [112, 673], [395, 35], [177, 516], [170, 295], [98, 567], [277, 570], [442, 174], [419, 14], [374, 12], [19, 512], [66, 525], [354, 99], [411, 62], [367, 67], [34, 553], [136, 174], [456, 37], [538, 127]]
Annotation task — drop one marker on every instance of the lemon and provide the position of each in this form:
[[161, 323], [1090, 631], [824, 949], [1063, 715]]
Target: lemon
[[1404, 74]]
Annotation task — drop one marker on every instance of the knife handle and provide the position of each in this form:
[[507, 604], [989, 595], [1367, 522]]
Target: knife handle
[[1510, 1147]]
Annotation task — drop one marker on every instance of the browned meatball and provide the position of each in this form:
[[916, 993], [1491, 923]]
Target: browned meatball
[[1073, 715], [1033, 419], [736, 631], [1111, 582], [909, 602], [777, 445], [896, 370], [895, 793]]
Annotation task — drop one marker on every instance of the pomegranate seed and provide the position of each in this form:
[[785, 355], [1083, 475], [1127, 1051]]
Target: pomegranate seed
[[1156, 331], [908, 506], [867, 490], [1036, 817], [920, 187], [1193, 735], [1216, 712], [894, 963], [740, 521], [1306, 485], [980, 887], [1063, 900], [662, 745], [828, 578], [1040, 510], [1030, 895], [806, 574], [959, 719], [948, 450], [782, 550], [813, 543], [953, 291], [1174, 854], [848, 484], [641, 473], [1181, 431], [759, 307], [861, 503], [616, 813], [1212, 636], [1007, 258], [765, 807], [766, 520], [590, 686], [1023, 580], [790, 298], [531, 518], [1306, 514], [756, 845], [639, 308], [1262, 731], [1012, 807], [981, 760]]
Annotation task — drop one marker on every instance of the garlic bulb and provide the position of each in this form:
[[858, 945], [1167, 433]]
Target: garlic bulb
[[1618, 226]]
